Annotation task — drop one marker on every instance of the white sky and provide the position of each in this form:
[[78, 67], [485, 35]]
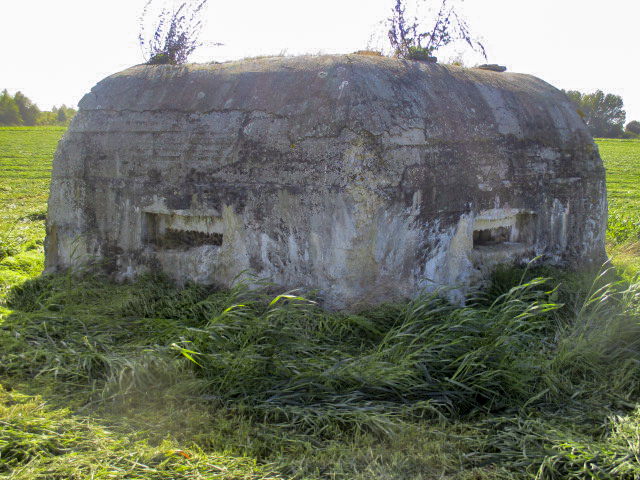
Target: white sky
[[54, 51]]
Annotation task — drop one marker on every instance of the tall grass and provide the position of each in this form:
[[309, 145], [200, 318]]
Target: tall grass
[[290, 353], [541, 375]]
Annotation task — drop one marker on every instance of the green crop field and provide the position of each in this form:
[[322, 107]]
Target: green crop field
[[26, 154], [537, 377], [622, 161]]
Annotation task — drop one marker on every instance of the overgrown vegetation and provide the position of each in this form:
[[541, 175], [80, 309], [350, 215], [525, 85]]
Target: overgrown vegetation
[[417, 39], [537, 377], [175, 31], [531, 377]]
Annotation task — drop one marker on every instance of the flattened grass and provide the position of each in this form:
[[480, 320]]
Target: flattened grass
[[538, 376], [39, 441]]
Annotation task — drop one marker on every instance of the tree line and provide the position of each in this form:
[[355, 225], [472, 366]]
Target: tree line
[[19, 110], [604, 114]]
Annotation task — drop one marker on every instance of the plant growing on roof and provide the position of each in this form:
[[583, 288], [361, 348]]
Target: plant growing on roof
[[175, 34], [413, 40]]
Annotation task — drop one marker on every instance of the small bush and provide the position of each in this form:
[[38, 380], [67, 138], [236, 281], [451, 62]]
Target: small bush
[[175, 35], [414, 40]]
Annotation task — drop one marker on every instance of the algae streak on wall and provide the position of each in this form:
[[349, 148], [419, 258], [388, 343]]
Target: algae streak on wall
[[364, 178]]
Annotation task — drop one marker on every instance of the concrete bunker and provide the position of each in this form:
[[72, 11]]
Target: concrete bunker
[[364, 178]]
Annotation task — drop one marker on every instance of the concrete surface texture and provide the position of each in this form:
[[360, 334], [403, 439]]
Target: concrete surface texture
[[364, 179]]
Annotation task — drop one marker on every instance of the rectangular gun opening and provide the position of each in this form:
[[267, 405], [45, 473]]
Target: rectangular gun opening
[[508, 229], [174, 232], [491, 236]]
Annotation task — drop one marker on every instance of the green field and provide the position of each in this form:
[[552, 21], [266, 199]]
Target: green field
[[622, 160], [26, 154], [539, 377]]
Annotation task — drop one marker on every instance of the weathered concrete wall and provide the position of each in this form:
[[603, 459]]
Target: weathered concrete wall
[[364, 178]]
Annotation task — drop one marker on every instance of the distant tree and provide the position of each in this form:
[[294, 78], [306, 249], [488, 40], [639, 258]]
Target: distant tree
[[58, 116], [9, 111], [413, 39], [633, 127], [603, 113], [61, 116], [69, 113], [175, 34], [50, 117], [47, 118], [28, 110]]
